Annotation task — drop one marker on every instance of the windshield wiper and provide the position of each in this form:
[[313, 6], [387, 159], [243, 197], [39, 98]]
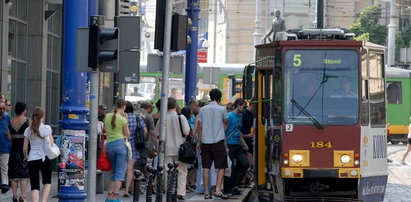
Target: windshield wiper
[[316, 123]]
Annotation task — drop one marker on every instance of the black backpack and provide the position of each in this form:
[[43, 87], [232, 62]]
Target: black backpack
[[139, 140]]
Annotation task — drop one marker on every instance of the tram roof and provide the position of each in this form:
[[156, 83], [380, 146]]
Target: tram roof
[[396, 72]]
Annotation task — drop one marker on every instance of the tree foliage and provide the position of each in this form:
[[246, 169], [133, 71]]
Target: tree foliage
[[368, 24], [403, 38]]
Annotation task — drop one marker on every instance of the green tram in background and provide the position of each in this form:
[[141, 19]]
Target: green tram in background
[[149, 87], [398, 83]]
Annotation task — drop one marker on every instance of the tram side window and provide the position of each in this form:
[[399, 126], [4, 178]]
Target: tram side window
[[394, 92], [365, 105], [376, 91]]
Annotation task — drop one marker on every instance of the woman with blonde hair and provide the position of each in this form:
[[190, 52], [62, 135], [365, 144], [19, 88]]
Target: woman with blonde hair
[[116, 127], [38, 161]]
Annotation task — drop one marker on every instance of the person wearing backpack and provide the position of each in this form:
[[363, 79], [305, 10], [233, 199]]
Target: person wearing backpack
[[137, 129], [173, 139]]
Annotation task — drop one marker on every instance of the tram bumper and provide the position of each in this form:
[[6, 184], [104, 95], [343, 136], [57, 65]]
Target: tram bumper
[[320, 173]]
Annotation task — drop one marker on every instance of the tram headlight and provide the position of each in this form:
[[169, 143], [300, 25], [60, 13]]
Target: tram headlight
[[345, 158], [297, 158]]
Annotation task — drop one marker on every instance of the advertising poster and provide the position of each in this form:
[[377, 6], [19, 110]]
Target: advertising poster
[[72, 159]]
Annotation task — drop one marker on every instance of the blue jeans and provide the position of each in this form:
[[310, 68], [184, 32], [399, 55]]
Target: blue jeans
[[117, 153]]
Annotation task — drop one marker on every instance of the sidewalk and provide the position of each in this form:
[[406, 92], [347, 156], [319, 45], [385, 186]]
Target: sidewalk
[[192, 197]]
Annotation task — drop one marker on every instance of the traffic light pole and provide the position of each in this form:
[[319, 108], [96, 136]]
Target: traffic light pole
[[73, 109], [191, 56], [164, 81], [92, 136]]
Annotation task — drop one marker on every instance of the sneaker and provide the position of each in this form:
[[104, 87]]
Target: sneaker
[[220, 194]]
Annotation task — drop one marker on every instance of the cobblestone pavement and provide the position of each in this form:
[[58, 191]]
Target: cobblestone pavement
[[399, 178]]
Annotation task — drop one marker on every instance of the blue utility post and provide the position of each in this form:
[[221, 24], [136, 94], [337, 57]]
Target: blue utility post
[[74, 122], [191, 57]]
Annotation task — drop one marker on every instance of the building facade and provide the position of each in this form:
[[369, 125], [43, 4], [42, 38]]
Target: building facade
[[30, 54]]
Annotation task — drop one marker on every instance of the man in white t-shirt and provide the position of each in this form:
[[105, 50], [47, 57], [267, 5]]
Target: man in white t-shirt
[[213, 121]]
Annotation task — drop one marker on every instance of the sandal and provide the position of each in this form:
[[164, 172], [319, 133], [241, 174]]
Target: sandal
[[22, 199], [126, 194], [207, 196], [220, 194]]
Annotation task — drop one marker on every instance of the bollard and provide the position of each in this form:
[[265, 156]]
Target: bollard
[[159, 192], [175, 181], [149, 185], [170, 190], [136, 195]]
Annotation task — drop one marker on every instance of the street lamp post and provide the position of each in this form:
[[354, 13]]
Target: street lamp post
[[74, 122]]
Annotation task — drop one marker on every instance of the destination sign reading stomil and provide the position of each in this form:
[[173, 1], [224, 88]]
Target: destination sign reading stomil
[[318, 59], [332, 61]]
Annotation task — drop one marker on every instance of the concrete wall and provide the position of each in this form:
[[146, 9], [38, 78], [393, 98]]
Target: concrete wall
[[36, 54], [4, 30]]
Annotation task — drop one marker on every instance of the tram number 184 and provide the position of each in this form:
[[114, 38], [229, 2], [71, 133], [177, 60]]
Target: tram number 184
[[320, 144]]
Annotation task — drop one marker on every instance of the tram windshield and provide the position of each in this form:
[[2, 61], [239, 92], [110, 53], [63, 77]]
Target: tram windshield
[[321, 87]]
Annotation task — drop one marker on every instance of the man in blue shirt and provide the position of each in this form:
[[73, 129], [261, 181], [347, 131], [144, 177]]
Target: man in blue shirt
[[236, 146], [5, 145]]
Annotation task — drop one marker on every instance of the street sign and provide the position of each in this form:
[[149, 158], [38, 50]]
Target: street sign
[[82, 50], [155, 63], [202, 56], [211, 75], [129, 67]]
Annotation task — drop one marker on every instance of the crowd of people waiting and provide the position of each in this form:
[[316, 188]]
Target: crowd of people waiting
[[223, 135]]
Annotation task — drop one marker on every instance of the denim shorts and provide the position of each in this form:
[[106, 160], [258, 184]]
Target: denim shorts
[[117, 153]]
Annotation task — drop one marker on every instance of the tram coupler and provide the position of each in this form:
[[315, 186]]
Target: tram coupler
[[175, 181], [170, 190], [159, 186], [316, 187], [137, 179], [149, 185]]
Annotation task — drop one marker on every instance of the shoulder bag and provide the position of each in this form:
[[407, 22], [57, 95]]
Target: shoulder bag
[[187, 151], [52, 151], [103, 163]]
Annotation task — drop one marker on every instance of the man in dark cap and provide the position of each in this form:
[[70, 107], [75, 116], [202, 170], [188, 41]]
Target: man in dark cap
[[102, 109]]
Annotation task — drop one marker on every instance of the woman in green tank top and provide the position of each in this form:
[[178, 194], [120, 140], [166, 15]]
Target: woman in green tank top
[[116, 127]]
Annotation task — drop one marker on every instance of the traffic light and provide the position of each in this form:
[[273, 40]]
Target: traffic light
[[179, 28], [235, 85], [103, 46]]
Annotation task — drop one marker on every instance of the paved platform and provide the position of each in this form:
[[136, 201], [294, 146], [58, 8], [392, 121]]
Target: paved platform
[[192, 197]]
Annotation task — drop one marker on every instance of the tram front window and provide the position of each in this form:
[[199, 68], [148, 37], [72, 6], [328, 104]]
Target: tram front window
[[324, 83]]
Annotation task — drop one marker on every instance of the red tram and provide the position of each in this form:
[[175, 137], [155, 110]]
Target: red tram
[[320, 128]]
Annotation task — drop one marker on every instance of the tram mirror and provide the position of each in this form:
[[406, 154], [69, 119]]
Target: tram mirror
[[248, 84]]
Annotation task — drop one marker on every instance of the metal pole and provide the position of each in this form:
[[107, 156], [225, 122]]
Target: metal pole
[[258, 27], [73, 109], [320, 14], [92, 134], [164, 81], [391, 34], [192, 49], [116, 84]]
